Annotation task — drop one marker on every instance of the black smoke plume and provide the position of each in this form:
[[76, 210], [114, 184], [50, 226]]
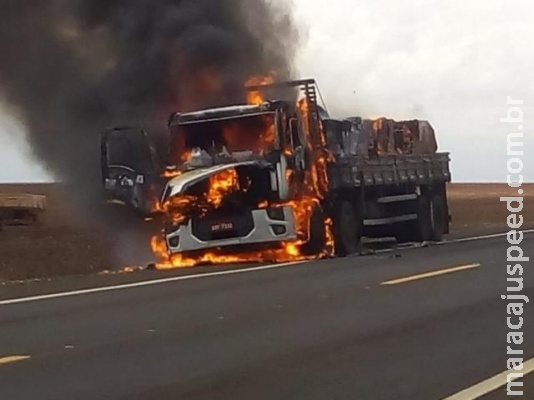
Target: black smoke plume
[[70, 68]]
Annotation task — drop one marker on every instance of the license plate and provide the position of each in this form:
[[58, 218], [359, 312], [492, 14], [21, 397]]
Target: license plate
[[223, 226]]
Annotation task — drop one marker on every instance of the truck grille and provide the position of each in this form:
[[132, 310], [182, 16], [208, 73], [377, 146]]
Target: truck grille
[[223, 227]]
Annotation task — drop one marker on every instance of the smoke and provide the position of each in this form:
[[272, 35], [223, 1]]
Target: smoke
[[70, 68]]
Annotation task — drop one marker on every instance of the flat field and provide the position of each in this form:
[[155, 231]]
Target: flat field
[[58, 244], [476, 209]]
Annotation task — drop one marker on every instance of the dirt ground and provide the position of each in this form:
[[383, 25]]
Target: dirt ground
[[61, 244], [56, 245], [476, 208]]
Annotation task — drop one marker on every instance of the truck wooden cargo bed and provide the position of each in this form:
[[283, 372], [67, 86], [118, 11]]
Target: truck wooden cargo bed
[[358, 171]]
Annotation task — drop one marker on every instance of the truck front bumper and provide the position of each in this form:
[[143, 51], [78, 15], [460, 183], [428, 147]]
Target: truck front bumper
[[266, 229]]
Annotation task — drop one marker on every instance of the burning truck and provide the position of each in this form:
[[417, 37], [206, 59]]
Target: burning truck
[[279, 180]]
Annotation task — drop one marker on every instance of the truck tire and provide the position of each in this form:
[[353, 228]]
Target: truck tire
[[347, 229], [424, 219], [437, 216], [420, 229], [317, 240]]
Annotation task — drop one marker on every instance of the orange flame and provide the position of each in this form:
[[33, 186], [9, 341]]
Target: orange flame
[[221, 184], [171, 173], [256, 97], [287, 252]]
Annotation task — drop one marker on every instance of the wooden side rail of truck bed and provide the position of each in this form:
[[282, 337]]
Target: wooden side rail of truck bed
[[357, 171]]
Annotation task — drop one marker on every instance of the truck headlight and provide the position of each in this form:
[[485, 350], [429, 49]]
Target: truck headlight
[[279, 230], [174, 241], [276, 214]]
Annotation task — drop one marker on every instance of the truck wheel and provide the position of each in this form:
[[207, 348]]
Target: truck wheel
[[424, 220], [404, 233], [317, 240], [418, 230], [347, 229], [437, 216]]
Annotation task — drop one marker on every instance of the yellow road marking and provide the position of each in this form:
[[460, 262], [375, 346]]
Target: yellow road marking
[[12, 359], [430, 274]]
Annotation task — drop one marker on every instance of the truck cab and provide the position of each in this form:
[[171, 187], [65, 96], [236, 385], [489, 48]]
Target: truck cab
[[229, 169]]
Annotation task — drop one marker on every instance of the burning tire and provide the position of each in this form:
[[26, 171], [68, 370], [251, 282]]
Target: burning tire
[[317, 240], [347, 229]]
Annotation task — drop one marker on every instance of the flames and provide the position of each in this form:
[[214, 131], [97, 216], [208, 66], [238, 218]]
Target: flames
[[307, 194], [257, 139], [179, 207], [176, 208], [268, 137], [255, 97], [288, 252], [318, 182], [171, 173], [222, 184]]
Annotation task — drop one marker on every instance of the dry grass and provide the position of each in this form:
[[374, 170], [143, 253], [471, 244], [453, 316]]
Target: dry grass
[[476, 208], [56, 245], [61, 245]]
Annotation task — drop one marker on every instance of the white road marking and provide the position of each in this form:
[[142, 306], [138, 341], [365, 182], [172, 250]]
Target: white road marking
[[475, 238], [444, 243], [430, 274], [144, 283], [491, 384]]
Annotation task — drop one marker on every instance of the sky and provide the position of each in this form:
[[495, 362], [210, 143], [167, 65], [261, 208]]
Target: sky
[[451, 62], [16, 162]]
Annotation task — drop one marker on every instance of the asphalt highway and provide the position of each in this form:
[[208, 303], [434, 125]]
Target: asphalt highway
[[423, 323]]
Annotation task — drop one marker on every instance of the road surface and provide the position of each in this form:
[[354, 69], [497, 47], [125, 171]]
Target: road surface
[[421, 323]]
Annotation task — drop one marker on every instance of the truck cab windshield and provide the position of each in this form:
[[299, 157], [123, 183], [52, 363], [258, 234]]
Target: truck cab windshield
[[251, 134]]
